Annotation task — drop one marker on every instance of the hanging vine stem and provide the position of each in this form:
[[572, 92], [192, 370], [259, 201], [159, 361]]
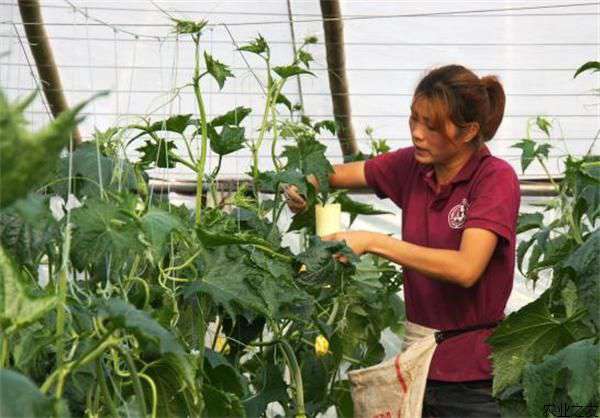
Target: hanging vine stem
[[63, 275], [137, 384], [296, 375], [152, 385], [104, 389]]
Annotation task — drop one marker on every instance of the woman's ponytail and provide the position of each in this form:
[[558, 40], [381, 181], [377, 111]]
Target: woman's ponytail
[[497, 100]]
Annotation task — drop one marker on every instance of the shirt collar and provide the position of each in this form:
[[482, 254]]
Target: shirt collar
[[465, 173]]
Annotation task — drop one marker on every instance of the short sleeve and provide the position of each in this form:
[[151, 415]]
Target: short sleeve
[[494, 201], [388, 173]]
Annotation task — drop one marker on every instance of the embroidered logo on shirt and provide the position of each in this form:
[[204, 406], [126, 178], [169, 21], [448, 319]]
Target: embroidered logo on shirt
[[458, 215]]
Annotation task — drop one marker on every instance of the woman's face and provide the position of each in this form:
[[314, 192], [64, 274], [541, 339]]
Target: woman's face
[[433, 145]]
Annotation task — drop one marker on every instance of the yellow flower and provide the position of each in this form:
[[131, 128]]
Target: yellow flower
[[302, 268], [321, 346], [221, 346]]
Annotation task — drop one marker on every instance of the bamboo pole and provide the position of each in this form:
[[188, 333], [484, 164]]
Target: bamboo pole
[[31, 16], [338, 83]]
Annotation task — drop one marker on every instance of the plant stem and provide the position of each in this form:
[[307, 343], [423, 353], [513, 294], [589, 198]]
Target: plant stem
[[104, 388], [296, 376], [275, 138], [4, 355], [91, 355], [63, 278], [274, 253], [137, 384], [204, 127]]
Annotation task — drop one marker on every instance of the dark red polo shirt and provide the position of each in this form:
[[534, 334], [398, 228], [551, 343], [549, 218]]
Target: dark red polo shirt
[[484, 194]]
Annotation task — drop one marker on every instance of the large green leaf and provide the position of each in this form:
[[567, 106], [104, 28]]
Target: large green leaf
[[123, 315], [19, 304], [92, 170], [226, 280], [271, 180], [158, 225], [158, 153], [308, 156], [103, 230], [26, 158], [28, 230], [20, 397], [229, 140], [585, 261], [281, 296], [233, 117], [541, 381], [527, 336]]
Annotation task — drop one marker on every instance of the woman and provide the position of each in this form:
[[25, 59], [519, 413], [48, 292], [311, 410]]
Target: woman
[[459, 213]]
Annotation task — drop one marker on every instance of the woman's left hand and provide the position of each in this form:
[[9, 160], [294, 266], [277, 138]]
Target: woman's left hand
[[358, 241]]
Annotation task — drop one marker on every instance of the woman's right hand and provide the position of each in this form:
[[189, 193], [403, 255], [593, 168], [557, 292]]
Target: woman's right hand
[[295, 201]]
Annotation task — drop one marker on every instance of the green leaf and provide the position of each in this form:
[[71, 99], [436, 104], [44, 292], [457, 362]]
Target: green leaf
[[28, 158], [308, 156], [176, 123], [28, 230], [223, 375], [123, 315], [92, 169], [527, 336], [355, 208], [214, 239], [585, 261], [217, 69], [590, 65], [281, 99], [21, 398], [320, 254], [543, 124], [103, 230], [305, 58], [158, 154], [230, 140], [222, 404], [233, 117], [19, 304], [271, 180], [290, 71], [189, 27], [330, 125], [528, 152], [158, 225], [541, 381], [281, 296], [226, 280], [257, 46], [528, 221]]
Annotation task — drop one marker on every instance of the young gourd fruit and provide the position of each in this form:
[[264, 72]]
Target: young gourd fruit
[[328, 218]]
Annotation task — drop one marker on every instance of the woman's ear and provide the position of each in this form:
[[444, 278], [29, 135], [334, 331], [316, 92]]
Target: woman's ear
[[470, 132]]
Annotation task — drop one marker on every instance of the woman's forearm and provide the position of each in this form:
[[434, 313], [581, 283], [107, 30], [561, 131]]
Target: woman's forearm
[[444, 265], [348, 176]]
